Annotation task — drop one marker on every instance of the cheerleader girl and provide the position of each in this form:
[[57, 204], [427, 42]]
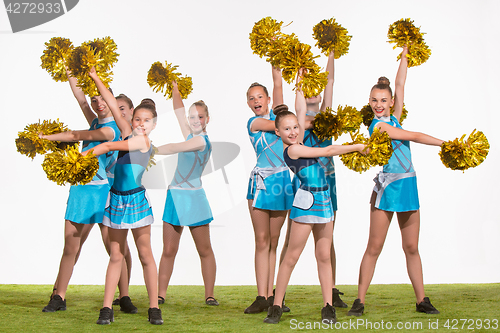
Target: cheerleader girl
[[128, 204], [270, 190], [312, 207], [311, 140], [395, 191], [86, 203], [187, 204], [126, 107]]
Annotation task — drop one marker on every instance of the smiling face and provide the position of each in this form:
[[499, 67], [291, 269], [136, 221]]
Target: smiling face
[[197, 119], [100, 107], [125, 109], [143, 122], [381, 102], [288, 129], [258, 100]]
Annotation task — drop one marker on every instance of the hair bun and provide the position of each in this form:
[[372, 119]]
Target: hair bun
[[280, 108], [383, 80]]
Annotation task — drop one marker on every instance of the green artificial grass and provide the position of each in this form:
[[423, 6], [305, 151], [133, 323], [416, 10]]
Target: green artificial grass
[[464, 307]]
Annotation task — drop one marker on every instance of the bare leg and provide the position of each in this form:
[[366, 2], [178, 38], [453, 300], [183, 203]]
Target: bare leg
[[171, 238], [201, 237], [277, 218], [323, 243], [287, 240], [75, 235], [332, 253], [142, 237], [379, 225], [124, 281], [409, 223], [117, 241]]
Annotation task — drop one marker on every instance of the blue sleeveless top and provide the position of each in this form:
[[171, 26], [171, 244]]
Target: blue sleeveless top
[[129, 168]]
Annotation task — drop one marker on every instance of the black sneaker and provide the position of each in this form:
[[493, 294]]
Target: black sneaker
[[260, 304], [273, 314], [106, 316], [328, 314], [116, 301], [56, 303], [161, 300], [337, 302], [427, 307], [127, 306], [154, 316], [357, 308], [284, 308], [211, 301]]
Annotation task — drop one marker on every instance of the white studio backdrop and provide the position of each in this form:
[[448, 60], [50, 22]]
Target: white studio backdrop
[[450, 95]]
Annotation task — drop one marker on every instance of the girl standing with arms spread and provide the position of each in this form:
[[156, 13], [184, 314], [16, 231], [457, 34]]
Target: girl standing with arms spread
[[270, 191], [312, 207], [86, 203], [187, 203], [128, 205], [395, 191], [311, 140]]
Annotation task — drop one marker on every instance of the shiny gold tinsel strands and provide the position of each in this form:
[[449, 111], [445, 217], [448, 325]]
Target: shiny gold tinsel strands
[[28, 143], [402, 33], [160, 78], [349, 119], [264, 34], [326, 125], [70, 167], [355, 160], [54, 57], [99, 53], [152, 160], [462, 155], [330, 35], [380, 145]]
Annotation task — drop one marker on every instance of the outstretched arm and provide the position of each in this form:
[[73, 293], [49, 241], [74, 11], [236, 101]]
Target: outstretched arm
[[180, 111], [328, 93], [277, 87], [399, 92], [297, 151], [101, 134], [121, 122], [134, 143], [196, 143], [401, 134], [80, 98]]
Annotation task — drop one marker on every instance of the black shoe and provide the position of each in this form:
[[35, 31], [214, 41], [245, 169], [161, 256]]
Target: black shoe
[[273, 314], [106, 316], [211, 301], [161, 300], [260, 304], [337, 302], [127, 306], [357, 308], [154, 316], [284, 308], [427, 307], [270, 300], [56, 303], [116, 301], [328, 314]]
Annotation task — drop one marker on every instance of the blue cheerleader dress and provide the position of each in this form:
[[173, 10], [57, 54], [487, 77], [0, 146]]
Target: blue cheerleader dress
[[312, 202], [269, 185], [187, 203], [128, 205], [396, 186], [86, 203]]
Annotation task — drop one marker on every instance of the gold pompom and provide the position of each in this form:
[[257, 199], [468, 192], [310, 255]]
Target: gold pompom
[[380, 145], [297, 55], [29, 143], [313, 83], [404, 32], [264, 34], [160, 78], [99, 53], [331, 36], [70, 166], [355, 160], [462, 155], [54, 57], [349, 119], [152, 160], [326, 125]]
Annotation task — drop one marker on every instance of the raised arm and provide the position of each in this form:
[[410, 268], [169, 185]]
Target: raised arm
[[300, 108], [277, 87], [121, 122], [80, 98], [401, 134], [328, 92], [399, 92], [180, 111]]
